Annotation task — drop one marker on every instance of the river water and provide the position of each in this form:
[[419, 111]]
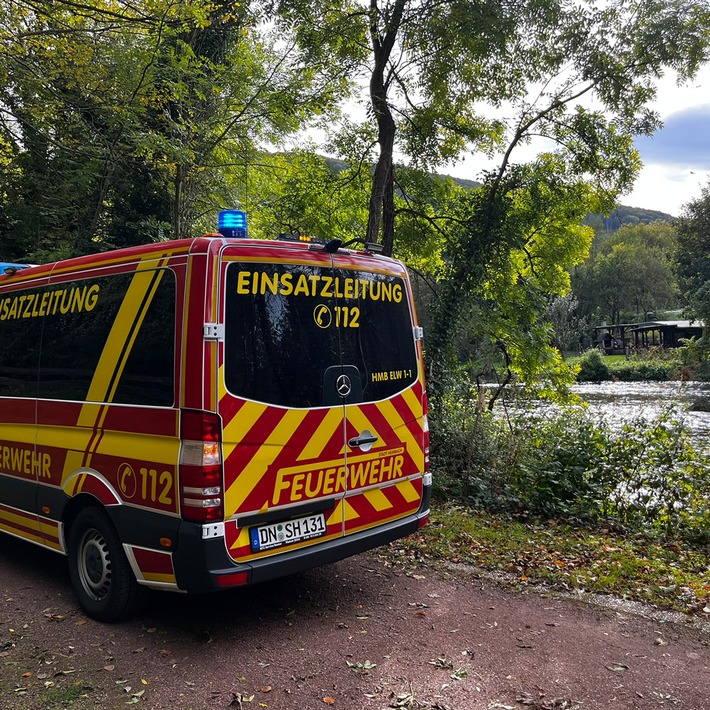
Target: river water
[[623, 401]]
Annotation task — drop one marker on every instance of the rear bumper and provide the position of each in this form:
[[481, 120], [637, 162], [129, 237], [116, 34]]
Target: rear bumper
[[204, 565]]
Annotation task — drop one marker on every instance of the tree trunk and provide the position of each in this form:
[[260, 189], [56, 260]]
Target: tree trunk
[[180, 172], [381, 214]]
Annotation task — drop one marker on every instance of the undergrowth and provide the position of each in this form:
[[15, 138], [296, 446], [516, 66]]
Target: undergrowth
[[644, 475], [638, 567]]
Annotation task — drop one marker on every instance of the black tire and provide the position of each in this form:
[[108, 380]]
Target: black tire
[[102, 578]]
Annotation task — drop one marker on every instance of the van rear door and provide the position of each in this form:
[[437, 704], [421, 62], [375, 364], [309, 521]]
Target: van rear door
[[384, 423], [320, 397]]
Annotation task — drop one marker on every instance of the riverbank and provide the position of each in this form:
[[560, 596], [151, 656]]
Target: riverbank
[[657, 365], [640, 568]]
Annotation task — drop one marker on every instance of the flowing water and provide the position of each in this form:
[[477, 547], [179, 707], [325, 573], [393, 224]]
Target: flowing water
[[623, 401]]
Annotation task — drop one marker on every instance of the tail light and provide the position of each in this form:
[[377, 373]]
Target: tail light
[[201, 479]]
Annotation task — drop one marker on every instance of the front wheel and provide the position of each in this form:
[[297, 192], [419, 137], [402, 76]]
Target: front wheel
[[99, 571]]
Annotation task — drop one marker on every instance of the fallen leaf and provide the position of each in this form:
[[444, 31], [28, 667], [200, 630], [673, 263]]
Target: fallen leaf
[[363, 668], [266, 688], [441, 662], [328, 700], [618, 667], [109, 668]]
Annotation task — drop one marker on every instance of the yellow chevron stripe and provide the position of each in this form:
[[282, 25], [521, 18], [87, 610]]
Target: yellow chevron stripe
[[357, 418], [336, 517], [378, 500], [239, 426], [314, 448], [413, 402], [414, 447], [408, 491], [349, 513], [268, 451]]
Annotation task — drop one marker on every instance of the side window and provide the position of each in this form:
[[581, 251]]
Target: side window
[[149, 374], [110, 339], [19, 344]]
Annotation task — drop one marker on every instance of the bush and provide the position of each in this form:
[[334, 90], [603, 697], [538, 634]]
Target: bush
[[563, 464], [633, 371], [592, 367]]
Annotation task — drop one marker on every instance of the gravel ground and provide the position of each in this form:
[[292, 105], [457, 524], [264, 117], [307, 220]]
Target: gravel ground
[[355, 635]]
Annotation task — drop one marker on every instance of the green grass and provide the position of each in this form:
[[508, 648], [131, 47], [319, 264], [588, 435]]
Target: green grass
[[63, 697], [670, 576]]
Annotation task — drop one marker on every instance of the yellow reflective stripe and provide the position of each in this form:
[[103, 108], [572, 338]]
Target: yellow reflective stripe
[[332, 421], [19, 434], [268, 451], [408, 491], [414, 447], [123, 333], [18, 518], [114, 355], [158, 577], [413, 402], [33, 537], [378, 500], [239, 426]]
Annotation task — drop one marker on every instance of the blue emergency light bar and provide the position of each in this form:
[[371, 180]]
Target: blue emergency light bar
[[8, 268], [233, 223]]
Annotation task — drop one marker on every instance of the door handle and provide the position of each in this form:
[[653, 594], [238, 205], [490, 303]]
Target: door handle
[[366, 439]]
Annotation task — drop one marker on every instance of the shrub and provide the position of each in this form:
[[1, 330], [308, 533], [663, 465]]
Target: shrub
[[562, 463], [592, 367]]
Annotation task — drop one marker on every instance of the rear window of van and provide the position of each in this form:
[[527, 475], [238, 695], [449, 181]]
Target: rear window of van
[[288, 325]]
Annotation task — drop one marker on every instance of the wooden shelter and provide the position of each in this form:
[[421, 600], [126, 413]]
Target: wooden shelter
[[620, 338]]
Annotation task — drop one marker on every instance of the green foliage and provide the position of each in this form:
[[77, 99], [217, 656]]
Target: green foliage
[[645, 370], [630, 271], [592, 367], [693, 257], [510, 245], [640, 567], [123, 122], [645, 474], [655, 366]]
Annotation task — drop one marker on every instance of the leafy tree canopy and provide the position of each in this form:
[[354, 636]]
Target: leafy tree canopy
[[692, 257], [122, 119]]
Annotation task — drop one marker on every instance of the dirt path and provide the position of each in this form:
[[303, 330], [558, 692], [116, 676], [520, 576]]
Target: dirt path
[[355, 635]]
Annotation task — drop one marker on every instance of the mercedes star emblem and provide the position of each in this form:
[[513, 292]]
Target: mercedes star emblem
[[343, 386]]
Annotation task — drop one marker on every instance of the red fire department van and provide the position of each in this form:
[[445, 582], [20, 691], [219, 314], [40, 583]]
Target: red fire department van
[[201, 414]]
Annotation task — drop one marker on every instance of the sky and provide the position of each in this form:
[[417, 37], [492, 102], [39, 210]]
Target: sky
[[676, 159]]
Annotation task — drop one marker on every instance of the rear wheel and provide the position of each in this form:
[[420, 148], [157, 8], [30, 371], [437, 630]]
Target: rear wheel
[[100, 573]]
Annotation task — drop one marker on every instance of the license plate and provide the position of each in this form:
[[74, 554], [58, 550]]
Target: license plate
[[267, 537]]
